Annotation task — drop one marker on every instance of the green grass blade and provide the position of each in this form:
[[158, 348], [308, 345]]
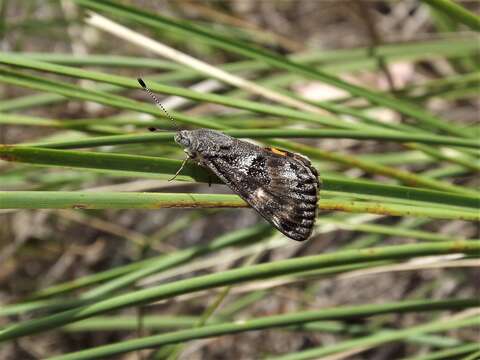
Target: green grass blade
[[131, 200], [285, 320], [165, 168], [254, 272], [385, 135], [457, 12], [382, 338], [164, 24]]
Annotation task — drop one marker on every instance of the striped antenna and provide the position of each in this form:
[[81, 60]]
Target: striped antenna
[[157, 102]]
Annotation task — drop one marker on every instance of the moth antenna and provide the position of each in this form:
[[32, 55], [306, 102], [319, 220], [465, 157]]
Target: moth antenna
[[157, 102]]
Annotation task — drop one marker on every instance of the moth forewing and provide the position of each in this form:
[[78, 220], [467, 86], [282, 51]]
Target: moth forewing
[[282, 186]]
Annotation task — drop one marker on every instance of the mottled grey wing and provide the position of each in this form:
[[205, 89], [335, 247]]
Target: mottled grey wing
[[282, 186]]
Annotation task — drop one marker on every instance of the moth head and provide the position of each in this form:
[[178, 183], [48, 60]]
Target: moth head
[[202, 140], [184, 138]]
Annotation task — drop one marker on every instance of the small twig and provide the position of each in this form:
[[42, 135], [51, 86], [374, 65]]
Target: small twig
[[376, 41]]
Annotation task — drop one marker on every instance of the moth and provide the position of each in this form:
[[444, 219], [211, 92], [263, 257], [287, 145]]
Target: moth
[[281, 186]]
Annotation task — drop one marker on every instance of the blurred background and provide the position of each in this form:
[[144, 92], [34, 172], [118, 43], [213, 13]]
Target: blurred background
[[404, 48]]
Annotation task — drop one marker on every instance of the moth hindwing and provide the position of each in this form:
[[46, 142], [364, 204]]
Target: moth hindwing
[[282, 186]]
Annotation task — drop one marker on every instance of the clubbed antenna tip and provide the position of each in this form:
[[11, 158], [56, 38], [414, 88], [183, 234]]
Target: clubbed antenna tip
[[142, 83]]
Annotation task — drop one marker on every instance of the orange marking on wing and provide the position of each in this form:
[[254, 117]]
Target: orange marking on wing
[[278, 152]]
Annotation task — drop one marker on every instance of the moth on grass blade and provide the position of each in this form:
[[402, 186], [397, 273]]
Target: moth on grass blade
[[280, 185]]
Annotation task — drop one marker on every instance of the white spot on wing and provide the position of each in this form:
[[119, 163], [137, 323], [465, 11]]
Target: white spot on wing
[[260, 194], [276, 221], [245, 163], [289, 173]]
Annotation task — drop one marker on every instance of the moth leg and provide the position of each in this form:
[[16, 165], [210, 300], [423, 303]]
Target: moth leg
[[180, 169], [209, 180]]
